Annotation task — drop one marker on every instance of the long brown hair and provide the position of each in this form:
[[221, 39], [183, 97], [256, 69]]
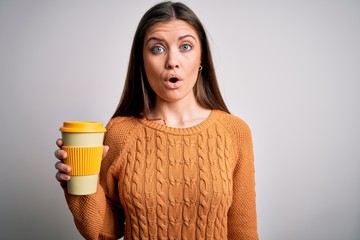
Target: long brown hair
[[138, 98]]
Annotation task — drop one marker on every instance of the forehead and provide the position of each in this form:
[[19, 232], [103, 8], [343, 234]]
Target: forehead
[[173, 27]]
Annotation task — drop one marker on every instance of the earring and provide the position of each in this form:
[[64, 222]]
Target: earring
[[200, 68]]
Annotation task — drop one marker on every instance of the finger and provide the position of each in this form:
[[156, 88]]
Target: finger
[[60, 154], [105, 151], [59, 142], [56, 152], [61, 177], [62, 167]]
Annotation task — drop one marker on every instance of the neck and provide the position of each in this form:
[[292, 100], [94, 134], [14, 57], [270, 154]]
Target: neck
[[179, 114]]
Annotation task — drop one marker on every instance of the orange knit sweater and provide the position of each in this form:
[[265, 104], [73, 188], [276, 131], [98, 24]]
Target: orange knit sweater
[[172, 183]]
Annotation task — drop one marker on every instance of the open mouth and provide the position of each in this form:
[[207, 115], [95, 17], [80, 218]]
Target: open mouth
[[173, 80]]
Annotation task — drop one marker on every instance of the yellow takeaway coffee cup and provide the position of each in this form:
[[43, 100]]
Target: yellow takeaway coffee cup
[[83, 142]]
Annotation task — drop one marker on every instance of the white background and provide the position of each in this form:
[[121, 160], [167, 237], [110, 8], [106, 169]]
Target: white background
[[290, 69]]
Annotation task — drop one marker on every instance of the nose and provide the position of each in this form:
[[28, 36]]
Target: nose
[[172, 60]]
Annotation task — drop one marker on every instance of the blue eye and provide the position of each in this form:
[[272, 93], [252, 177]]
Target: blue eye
[[186, 47], [157, 49]]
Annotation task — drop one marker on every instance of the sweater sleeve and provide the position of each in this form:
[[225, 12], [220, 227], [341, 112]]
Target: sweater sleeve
[[242, 219], [96, 216], [100, 215]]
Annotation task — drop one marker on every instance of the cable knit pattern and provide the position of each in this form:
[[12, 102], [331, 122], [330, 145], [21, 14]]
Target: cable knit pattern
[[173, 183]]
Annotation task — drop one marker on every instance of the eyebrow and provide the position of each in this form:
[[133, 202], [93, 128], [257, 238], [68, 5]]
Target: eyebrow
[[161, 39]]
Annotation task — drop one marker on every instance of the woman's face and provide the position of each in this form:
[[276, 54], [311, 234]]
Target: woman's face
[[172, 57]]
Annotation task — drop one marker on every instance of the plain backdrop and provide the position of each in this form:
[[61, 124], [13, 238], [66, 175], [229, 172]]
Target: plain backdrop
[[290, 69]]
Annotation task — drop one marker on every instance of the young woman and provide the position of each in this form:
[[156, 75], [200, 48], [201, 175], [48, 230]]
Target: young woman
[[177, 164]]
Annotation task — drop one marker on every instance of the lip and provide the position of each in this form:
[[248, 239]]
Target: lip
[[173, 85]]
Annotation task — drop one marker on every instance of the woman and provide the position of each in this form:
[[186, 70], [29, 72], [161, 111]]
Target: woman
[[178, 165]]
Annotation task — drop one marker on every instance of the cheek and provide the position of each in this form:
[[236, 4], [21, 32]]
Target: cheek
[[195, 69], [149, 68], [195, 63], [152, 77], [151, 63], [151, 74]]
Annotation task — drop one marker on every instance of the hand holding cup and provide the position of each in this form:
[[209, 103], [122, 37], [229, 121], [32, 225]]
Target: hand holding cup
[[80, 154], [63, 170]]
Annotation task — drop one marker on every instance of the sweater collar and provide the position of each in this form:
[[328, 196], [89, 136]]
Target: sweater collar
[[183, 131]]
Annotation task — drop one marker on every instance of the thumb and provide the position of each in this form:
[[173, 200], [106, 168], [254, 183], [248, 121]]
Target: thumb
[[105, 151]]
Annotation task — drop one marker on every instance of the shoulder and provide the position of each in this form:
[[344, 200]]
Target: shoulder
[[118, 129], [121, 122], [236, 128], [232, 123], [239, 131]]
